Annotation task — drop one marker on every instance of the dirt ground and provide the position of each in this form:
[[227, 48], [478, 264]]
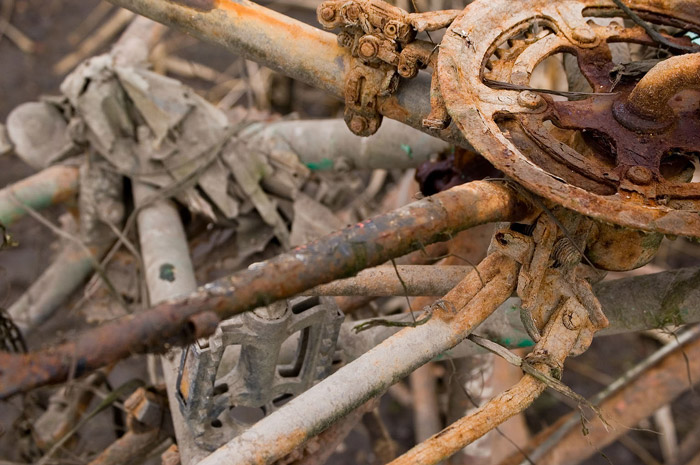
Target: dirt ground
[[25, 76]]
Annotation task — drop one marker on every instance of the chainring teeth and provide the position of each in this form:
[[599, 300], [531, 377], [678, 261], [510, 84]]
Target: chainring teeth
[[475, 48]]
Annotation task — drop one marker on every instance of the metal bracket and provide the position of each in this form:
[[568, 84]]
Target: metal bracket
[[382, 41]]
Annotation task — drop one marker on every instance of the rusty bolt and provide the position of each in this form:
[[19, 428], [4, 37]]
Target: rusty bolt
[[639, 175], [368, 49], [530, 100], [328, 13], [358, 124], [352, 12], [571, 318], [584, 34], [391, 30]]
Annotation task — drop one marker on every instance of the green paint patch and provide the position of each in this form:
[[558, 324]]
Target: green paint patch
[[525, 343], [324, 165], [167, 272], [409, 151]]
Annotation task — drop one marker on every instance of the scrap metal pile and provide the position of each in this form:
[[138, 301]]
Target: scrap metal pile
[[262, 365]]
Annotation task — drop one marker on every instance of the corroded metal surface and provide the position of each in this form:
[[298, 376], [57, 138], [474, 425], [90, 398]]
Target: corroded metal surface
[[423, 280], [289, 47], [335, 256], [601, 155]]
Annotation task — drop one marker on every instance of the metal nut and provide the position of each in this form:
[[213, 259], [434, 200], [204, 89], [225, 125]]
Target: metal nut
[[352, 12], [368, 49], [584, 34], [640, 175], [327, 13], [358, 124], [530, 100]]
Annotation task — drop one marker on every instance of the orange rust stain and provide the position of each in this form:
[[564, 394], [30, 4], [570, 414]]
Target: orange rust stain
[[247, 13]]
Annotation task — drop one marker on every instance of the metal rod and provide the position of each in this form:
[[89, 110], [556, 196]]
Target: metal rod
[[423, 280], [288, 46], [338, 255], [464, 308], [394, 146], [41, 190]]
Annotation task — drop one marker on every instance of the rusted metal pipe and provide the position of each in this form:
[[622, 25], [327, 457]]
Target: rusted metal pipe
[[654, 382], [71, 267], [464, 308], [649, 98], [556, 343], [41, 190], [338, 255], [419, 280], [288, 46]]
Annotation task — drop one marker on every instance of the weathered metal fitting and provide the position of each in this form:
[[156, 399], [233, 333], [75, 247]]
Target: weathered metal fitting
[[358, 124], [351, 12], [530, 99], [640, 175], [584, 34], [346, 40], [571, 318], [253, 364], [328, 14], [392, 28], [629, 117], [620, 249], [569, 162], [513, 244], [368, 47], [407, 67]]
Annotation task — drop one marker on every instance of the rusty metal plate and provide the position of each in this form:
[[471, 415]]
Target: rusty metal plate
[[603, 153]]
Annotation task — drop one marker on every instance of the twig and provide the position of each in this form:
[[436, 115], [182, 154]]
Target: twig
[[91, 20], [398, 324], [511, 86], [7, 7], [22, 41], [129, 386], [545, 378], [105, 33]]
